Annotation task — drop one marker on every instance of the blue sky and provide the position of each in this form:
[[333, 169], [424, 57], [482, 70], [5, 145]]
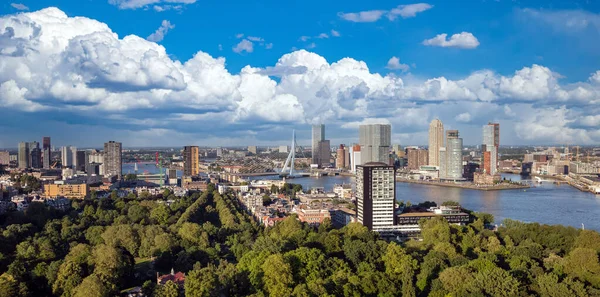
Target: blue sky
[[520, 63]]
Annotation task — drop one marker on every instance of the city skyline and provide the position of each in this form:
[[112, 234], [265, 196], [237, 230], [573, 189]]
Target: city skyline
[[192, 90]]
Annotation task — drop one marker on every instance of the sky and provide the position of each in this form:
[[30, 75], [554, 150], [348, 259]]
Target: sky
[[235, 73]]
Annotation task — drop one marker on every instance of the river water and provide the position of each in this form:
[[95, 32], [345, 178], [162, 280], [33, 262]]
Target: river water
[[546, 203]]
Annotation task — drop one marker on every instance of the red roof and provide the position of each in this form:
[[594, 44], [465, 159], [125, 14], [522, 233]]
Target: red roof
[[178, 278]]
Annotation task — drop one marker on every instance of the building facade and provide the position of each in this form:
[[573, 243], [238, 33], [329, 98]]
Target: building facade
[[436, 141], [340, 157], [46, 152], [23, 155], [375, 195], [191, 165], [491, 144], [72, 191], [417, 158], [253, 149], [355, 157], [324, 152], [451, 163], [66, 156], [113, 158], [375, 141], [36, 157], [318, 134], [4, 158]]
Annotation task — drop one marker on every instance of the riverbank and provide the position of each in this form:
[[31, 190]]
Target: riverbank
[[466, 185]]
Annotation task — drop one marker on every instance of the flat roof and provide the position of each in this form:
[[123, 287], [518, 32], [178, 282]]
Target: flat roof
[[427, 214]]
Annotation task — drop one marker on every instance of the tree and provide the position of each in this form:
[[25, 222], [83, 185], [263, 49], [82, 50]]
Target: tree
[[130, 177], [278, 278], [91, 286], [169, 289], [202, 283], [266, 200], [111, 265], [9, 287]]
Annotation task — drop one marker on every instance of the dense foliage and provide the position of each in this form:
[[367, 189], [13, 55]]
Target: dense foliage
[[103, 246]]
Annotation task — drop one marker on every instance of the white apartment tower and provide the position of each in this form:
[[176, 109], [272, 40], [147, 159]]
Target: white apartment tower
[[436, 141]]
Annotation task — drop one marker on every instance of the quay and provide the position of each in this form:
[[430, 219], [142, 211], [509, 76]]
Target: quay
[[466, 185]]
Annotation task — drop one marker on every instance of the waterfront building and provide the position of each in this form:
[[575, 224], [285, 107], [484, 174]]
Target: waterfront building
[[340, 157], [397, 149], [72, 191], [451, 167], [436, 141], [375, 141], [324, 152], [346, 157], [113, 158], [46, 152], [190, 161], [253, 149], [23, 155], [417, 158], [491, 144], [4, 158], [318, 134], [375, 195], [355, 157]]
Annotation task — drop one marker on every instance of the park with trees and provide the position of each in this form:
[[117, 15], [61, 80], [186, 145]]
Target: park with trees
[[103, 246]]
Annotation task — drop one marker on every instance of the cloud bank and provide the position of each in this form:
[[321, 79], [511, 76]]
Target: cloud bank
[[78, 68]]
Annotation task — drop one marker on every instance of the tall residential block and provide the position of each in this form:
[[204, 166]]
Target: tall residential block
[[4, 158], [190, 161], [80, 158], [340, 157], [375, 195], [318, 134], [451, 167], [355, 157], [324, 153], [436, 140], [66, 156], [46, 152], [23, 155], [113, 158], [36, 157], [375, 141], [346, 157], [491, 144], [417, 158], [252, 149]]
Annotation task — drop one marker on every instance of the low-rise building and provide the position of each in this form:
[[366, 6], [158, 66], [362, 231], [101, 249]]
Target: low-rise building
[[342, 216], [312, 216], [72, 191]]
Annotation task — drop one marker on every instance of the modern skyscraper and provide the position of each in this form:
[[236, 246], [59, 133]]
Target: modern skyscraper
[[80, 157], [46, 152], [190, 161], [4, 158], [112, 158], [36, 157], [436, 140], [346, 157], [66, 156], [252, 149], [375, 195], [23, 155], [318, 134], [491, 144], [451, 167], [324, 153], [375, 141], [355, 157]]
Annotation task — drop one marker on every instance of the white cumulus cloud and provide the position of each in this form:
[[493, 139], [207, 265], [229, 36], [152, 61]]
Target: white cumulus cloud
[[160, 33], [244, 45], [464, 40], [135, 4], [408, 11], [464, 117], [363, 16], [19, 6], [394, 64]]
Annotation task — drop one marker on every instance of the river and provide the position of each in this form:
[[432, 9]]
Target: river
[[546, 203]]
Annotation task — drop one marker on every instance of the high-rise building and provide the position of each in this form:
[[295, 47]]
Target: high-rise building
[[491, 144], [436, 140], [66, 156], [190, 161], [324, 153], [355, 157], [397, 149], [36, 157], [33, 145], [283, 149], [46, 152], [112, 158], [253, 149], [375, 195], [318, 134], [417, 158], [4, 158], [451, 164], [375, 141], [340, 157], [24, 155], [80, 158], [346, 157]]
